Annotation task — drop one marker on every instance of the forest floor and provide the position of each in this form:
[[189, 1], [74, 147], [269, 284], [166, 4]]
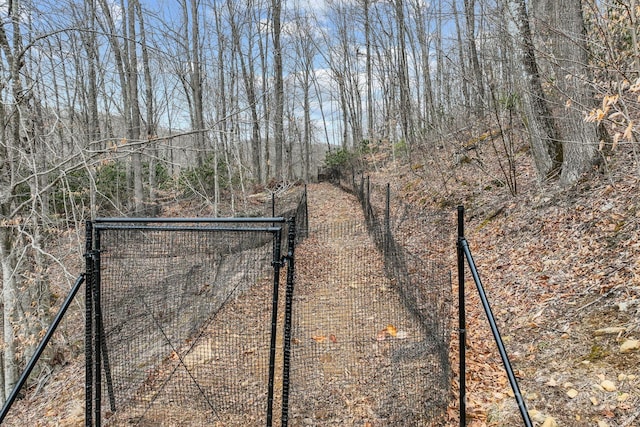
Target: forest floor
[[561, 267]]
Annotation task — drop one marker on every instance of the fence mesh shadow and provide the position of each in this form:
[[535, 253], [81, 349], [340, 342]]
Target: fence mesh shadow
[[371, 319]]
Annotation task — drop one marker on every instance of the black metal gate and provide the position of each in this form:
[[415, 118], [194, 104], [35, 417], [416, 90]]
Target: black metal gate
[[166, 343]]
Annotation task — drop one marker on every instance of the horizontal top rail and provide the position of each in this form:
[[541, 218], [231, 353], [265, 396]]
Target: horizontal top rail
[[254, 220], [107, 226]]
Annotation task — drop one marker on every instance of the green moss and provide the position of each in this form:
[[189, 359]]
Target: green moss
[[597, 353]]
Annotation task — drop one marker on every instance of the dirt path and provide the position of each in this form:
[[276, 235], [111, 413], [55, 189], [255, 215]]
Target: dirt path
[[359, 357]]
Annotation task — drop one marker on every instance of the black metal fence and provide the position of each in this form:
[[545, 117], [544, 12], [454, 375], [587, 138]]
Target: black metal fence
[[166, 343], [464, 254], [186, 325], [371, 317], [183, 318]]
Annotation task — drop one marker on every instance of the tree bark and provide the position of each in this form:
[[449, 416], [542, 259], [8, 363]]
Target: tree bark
[[278, 116], [12, 144], [466, 98], [477, 101], [561, 34], [246, 67], [149, 105], [9, 304], [543, 135], [406, 122], [134, 108], [369, 70]]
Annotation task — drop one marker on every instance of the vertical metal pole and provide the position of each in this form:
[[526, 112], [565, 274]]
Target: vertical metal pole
[[274, 323], [305, 228], [88, 333], [98, 332], [462, 328], [286, 357], [387, 216], [368, 195], [106, 365], [387, 220]]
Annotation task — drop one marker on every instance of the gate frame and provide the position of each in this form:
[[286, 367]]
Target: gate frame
[[96, 353]]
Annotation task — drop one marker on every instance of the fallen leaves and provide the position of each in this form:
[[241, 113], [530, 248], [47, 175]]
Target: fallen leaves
[[608, 385], [629, 346], [391, 332], [323, 338]]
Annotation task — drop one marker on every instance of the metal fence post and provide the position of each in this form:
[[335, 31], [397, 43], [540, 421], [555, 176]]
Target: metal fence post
[[97, 324], [462, 331], [496, 335], [286, 356], [43, 343], [387, 220], [88, 339], [277, 264]]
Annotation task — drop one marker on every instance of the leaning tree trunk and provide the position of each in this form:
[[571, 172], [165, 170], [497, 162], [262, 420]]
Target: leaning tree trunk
[[543, 136]]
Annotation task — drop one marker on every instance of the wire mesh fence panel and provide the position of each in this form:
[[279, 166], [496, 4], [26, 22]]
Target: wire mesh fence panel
[[186, 318], [370, 329]]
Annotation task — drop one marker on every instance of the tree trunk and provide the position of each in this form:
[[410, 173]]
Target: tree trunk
[[559, 25], [263, 47], [369, 70], [466, 98], [134, 107], [9, 305], [543, 136], [278, 117], [477, 101], [246, 67], [406, 122], [93, 126], [149, 105], [12, 145], [424, 42], [196, 80]]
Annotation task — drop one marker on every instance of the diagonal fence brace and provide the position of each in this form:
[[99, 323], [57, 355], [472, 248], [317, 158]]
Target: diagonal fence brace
[[465, 253]]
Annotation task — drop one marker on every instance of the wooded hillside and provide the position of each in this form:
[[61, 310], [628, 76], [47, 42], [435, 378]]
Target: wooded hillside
[[190, 107]]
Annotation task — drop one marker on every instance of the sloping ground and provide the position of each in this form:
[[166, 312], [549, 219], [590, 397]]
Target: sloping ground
[[559, 265]]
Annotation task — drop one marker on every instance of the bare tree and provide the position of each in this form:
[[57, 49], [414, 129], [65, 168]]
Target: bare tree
[[240, 17], [150, 122], [544, 139], [278, 117], [403, 75], [305, 49], [13, 143], [478, 86]]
